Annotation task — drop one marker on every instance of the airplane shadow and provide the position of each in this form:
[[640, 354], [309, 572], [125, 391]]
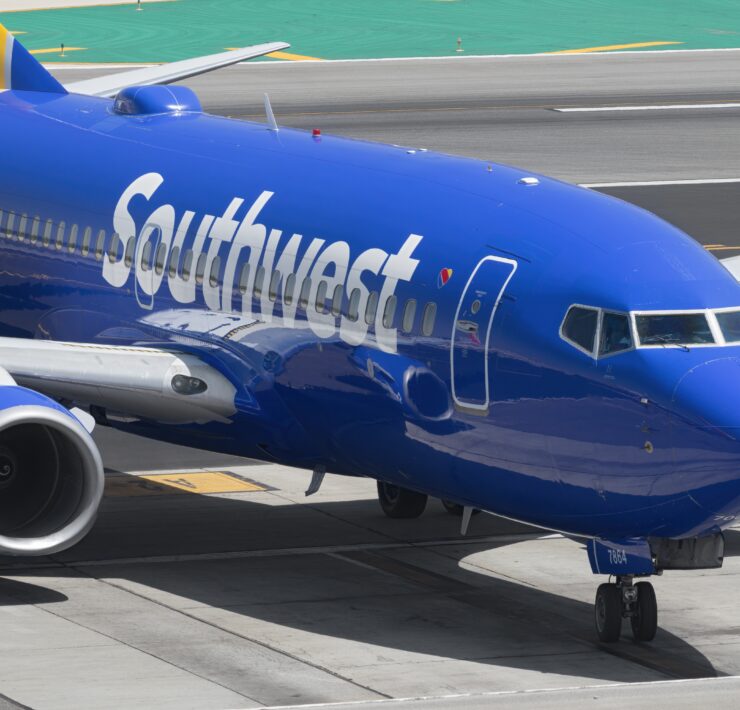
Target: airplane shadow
[[372, 597]]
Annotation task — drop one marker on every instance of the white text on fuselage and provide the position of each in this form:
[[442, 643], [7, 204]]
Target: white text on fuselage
[[227, 238]]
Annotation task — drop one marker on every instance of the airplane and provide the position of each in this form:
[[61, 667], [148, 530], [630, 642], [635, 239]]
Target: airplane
[[450, 327]]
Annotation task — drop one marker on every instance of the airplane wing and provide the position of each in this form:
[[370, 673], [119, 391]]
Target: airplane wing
[[163, 385], [111, 84], [732, 264]]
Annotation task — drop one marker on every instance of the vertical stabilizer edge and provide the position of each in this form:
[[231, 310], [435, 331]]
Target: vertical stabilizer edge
[[19, 69]]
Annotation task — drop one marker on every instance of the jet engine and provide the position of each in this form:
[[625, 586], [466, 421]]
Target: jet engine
[[51, 474]]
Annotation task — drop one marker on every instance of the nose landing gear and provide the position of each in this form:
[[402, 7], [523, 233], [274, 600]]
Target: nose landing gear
[[621, 600]]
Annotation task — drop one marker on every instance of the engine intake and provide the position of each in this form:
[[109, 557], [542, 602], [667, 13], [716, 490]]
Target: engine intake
[[51, 475]]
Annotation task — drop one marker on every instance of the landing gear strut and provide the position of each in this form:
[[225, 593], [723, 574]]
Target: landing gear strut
[[622, 600], [398, 502]]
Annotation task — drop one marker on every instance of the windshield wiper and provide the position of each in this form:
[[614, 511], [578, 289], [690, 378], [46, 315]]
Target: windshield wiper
[[664, 340]]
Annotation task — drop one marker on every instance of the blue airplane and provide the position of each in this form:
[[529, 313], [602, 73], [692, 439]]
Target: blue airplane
[[450, 327]]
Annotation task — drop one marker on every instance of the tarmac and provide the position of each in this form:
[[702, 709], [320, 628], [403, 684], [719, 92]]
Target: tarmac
[[213, 582]]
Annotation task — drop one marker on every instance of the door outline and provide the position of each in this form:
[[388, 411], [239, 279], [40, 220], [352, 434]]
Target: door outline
[[458, 402]]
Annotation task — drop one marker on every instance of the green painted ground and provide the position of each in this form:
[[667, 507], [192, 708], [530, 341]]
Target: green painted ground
[[339, 29]]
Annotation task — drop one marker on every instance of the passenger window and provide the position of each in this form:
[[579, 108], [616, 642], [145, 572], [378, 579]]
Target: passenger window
[[305, 293], [427, 320], [353, 311], [259, 281], [48, 227], [187, 265], [215, 271], [100, 245], [86, 239], [72, 243], [59, 243], [244, 279], [10, 226], [389, 311], [371, 308], [336, 301], [615, 333], [22, 224], [409, 313], [35, 227], [200, 267], [146, 255], [274, 283], [289, 289], [321, 296], [580, 327], [174, 261], [113, 248], [128, 257], [161, 258]]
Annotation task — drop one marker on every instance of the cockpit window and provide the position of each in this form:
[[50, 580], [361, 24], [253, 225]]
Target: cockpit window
[[580, 327], [729, 323], [615, 333], [673, 329]]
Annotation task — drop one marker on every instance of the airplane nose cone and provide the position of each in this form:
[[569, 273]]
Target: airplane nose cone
[[709, 395], [705, 431]]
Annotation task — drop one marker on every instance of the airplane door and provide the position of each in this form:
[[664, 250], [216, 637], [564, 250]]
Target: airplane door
[[147, 246], [471, 332]]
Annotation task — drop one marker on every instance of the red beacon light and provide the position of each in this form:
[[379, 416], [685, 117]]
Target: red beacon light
[[316, 132]]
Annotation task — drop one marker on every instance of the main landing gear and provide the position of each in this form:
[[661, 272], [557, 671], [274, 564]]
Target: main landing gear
[[626, 600], [398, 502]]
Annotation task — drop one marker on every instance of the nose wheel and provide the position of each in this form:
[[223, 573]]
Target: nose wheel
[[621, 600]]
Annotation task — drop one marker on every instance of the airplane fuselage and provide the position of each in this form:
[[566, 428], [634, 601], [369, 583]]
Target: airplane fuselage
[[382, 311]]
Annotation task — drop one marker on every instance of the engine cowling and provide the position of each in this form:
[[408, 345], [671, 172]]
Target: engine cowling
[[51, 475]]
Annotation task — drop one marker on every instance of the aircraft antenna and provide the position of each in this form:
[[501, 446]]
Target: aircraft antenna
[[272, 123]]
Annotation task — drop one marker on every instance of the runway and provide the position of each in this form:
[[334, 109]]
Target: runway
[[251, 595]]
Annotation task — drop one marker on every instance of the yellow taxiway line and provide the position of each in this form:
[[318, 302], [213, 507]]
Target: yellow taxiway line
[[286, 55], [611, 47], [56, 50]]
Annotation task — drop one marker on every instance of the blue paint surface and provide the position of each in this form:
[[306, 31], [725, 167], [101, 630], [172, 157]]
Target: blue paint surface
[[641, 443]]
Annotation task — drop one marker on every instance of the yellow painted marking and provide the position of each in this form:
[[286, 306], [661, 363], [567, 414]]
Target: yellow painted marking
[[166, 483], [56, 50], [17, 32], [286, 55], [720, 247], [610, 47]]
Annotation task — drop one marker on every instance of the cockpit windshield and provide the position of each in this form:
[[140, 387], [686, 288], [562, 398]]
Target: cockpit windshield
[[729, 324], [673, 329], [600, 333]]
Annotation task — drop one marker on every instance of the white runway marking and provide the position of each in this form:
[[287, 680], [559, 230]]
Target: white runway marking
[[281, 552], [651, 183], [657, 107], [503, 693]]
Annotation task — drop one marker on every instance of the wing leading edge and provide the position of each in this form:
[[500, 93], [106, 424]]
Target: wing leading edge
[[111, 84], [166, 386]]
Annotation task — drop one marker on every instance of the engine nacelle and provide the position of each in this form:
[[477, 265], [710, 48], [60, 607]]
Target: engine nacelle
[[51, 474]]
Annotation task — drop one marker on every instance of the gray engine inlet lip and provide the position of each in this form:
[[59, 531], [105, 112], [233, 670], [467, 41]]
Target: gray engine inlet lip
[[94, 484]]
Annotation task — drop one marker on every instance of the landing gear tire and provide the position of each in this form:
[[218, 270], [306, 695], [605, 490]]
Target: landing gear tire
[[456, 508], [608, 613], [644, 619], [398, 502]]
